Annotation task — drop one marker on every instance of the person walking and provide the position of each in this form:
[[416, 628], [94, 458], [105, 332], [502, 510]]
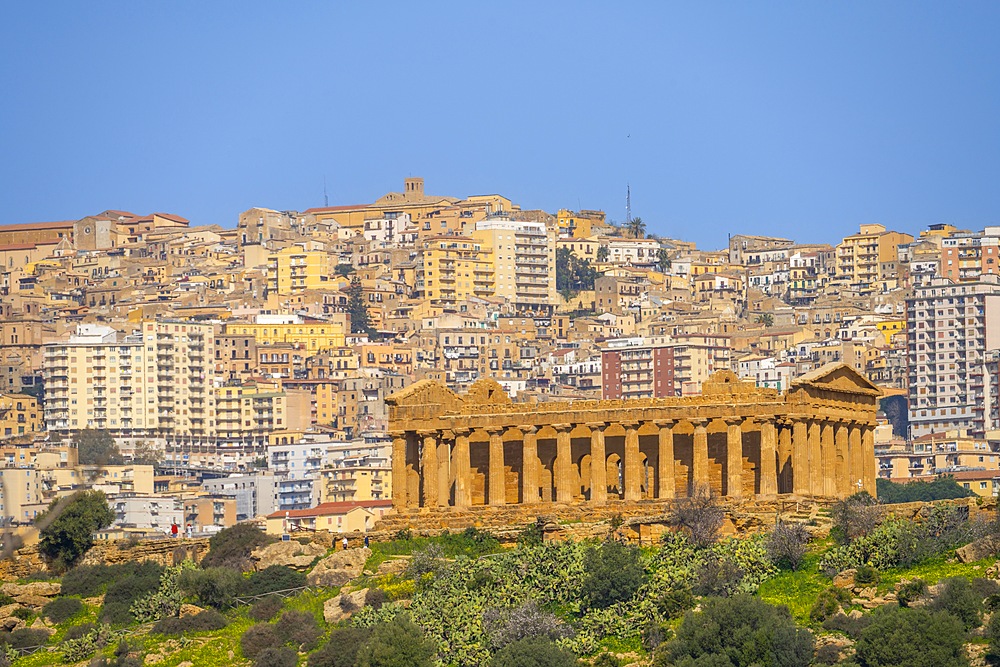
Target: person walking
[[366, 541], [344, 542]]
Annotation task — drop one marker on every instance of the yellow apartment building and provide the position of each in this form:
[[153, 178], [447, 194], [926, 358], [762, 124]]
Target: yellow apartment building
[[584, 247], [20, 494], [524, 261], [860, 257], [209, 511], [578, 224], [357, 480], [246, 414], [293, 269], [19, 415], [272, 329], [453, 268]]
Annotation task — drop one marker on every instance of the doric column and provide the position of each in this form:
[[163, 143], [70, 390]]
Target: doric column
[[529, 456], [399, 501], [444, 468], [429, 467], [699, 455], [856, 458], [497, 479], [784, 470], [564, 463], [815, 458], [768, 457], [463, 468], [734, 457], [598, 464], [843, 462], [829, 453], [665, 460], [633, 463], [800, 456], [868, 458]]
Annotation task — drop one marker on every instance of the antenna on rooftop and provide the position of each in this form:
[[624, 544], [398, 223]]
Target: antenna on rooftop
[[628, 203], [326, 200]]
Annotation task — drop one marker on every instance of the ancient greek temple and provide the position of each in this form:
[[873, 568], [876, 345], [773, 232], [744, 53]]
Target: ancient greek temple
[[816, 439]]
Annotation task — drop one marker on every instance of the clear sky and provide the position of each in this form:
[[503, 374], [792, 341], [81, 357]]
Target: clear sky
[[799, 119]]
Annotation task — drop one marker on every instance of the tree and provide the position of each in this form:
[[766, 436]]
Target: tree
[[573, 273], [613, 574], [636, 228], [944, 487], [904, 636], [602, 253], [854, 517], [534, 652], [146, 453], [700, 515], [663, 260], [737, 632], [97, 448], [342, 649], [68, 527], [358, 309], [767, 319], [232, 547], [787, 543], [398, 643]]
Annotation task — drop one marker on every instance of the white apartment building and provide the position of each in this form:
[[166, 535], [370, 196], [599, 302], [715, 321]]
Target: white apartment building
[[951, 331], [156, 383]]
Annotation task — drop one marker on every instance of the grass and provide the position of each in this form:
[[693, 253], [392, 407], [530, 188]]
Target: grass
[[471, 543], [797, 590]]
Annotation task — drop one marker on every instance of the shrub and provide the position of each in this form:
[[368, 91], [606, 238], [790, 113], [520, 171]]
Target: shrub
[[232, 547], [607, 660], [22, 613], [865, 574], [612, 573], [672, 603], [204, 621], [273, 578], [828, 603], [786, 545], [850, 626], [506, 626], [700, 515], [341, 650], [942, 488], [137, 582], [910, 592], [398, 643], [89, 580], [258, 638], [299, 629], [276, 657], [66, 530], [62, 609], [425, 561], [718, 576], [958, 599], [531, 536], [77, 631], [985, 588], [266, 608], [213, 586], [533, 652], [28, 637], [907, 637], [855, 517], [743, 629]]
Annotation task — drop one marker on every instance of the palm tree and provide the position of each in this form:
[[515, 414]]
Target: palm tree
[[637, 228], [767, 319]]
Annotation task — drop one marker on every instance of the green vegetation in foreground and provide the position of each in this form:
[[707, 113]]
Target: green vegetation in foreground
[[476, 603]]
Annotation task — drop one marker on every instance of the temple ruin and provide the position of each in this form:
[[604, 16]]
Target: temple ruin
[[482, 449]]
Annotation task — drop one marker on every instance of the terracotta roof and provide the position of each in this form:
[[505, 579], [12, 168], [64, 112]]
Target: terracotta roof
[[171, 216], [61, 224], [332, 209], [327, 509]]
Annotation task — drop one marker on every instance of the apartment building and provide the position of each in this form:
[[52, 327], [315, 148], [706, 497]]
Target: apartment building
[[209, 513], [19, 415], [20, 494], [246, 414], [269, 329], [255, 495], [951, 330], [965, 256], [638, 368], [297, 467], [294, 269], [156, 383], [451, 269], [524, 261], [863, 258]]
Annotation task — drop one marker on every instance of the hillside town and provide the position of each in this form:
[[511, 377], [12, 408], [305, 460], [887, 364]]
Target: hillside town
[[233, 373]]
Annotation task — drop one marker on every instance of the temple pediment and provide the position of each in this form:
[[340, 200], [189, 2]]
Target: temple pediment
[[423, 393], [838, 377]]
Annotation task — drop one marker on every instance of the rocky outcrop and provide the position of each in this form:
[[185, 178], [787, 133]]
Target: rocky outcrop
[[342, 606], [290, 554], [978, 550], [339, 568], [35, 594], [845, 579], [189, 610]]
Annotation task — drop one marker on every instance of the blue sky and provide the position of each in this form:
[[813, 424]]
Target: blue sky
[[800, 119]]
